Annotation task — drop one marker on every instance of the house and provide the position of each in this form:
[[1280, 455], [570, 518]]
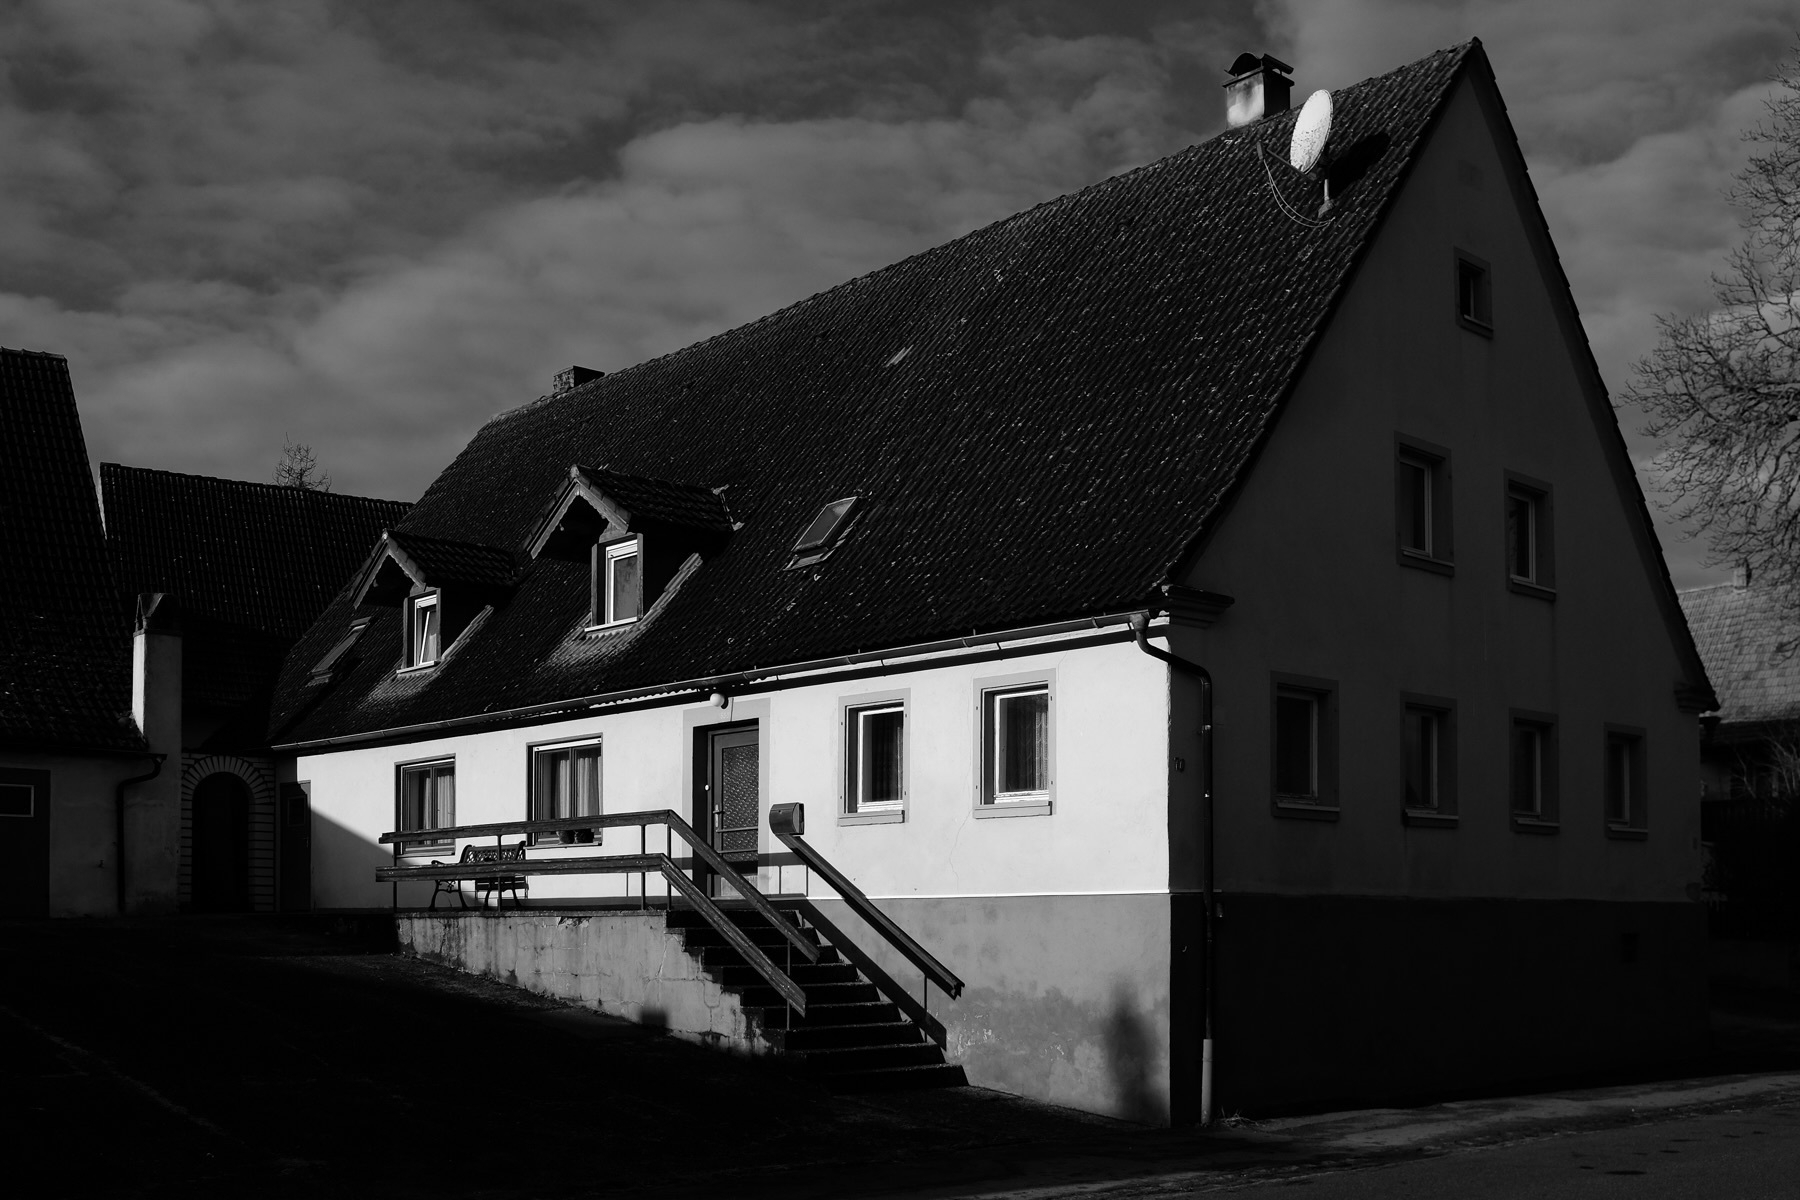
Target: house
[[239, 570], [1213, 614], [77, 780]]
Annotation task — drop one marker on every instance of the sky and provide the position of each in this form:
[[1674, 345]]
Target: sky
[[371, 227]]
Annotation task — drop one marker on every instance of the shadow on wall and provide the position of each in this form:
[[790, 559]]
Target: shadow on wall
[[1104, 1058], [343, 870]]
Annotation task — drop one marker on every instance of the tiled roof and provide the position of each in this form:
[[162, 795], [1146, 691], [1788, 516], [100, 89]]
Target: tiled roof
[[689, 504], [65, 644], [446, 561], [1040, 419], [1751, 647], [253, 564]]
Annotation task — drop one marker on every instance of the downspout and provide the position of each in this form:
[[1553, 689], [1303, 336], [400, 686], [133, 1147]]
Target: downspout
[[1140, 624], [156, 765]]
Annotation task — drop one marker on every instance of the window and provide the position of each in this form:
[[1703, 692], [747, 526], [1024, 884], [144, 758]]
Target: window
[[1529, 564], [1532, 755], [1474, 297], [565, 782], [1017, 747], [1303, 746], [421, 630], [322, 669], [821, 537], [618, 582], [1422, 505], [1428, 760], [427, 802], [17, 800], [874, 762], [1624, 782]]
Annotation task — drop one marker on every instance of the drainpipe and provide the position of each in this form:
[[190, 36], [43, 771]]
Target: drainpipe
[[1140, 624], [156, 764]]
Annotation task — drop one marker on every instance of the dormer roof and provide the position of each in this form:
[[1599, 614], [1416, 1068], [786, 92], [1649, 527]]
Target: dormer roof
[[401, 562], [595, 501]]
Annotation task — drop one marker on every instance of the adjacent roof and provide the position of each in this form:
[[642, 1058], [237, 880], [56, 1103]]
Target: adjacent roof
[[65, 643], [1751, 646], [252, 564], [1039, 419]]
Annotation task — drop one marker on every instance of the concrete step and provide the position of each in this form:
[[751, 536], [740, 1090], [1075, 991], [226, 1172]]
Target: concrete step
[[843, 1060], [879, 1012], [734, 972], [898, 1079], [831, 1037], [762, 995]]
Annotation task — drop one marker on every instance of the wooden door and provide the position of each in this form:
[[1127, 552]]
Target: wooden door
[[734, 795]]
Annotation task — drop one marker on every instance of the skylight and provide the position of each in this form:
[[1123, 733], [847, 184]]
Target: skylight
[[822, 535], [322, 670]]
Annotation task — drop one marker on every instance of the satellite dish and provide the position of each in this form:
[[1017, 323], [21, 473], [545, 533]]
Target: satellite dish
[[1311, 131]]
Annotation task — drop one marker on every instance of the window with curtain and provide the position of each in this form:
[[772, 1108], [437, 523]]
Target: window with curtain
[[1017, 745], [875, 758], [428, 801], [565, 782]]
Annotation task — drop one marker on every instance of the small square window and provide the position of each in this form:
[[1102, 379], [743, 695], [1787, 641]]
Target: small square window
[[1017, 748], [823, 534], [875, 759], [1422, 505], [618, 582], [17, 800], [1624, 782], [1531, 753], [427, 801], [422, 626], [323, 668], [1428, 760], [1474, 296], [565, 782], [1303, 746], [1530, 564]]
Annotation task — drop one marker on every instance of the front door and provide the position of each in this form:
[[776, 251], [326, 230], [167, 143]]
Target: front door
[[734, 800]]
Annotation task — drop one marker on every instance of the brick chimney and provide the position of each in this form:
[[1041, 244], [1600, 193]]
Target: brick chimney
[[1259, 87], [572, 377]]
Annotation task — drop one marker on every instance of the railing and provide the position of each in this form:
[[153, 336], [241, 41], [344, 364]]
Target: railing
[[642, 864], [788, 822]]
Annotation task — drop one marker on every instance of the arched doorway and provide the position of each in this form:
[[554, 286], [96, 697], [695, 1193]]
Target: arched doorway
[[221, 844]]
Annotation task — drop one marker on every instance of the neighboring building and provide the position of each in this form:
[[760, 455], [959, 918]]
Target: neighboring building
[[1751, 646], [243, 569], [70, 746], [1355, 461]]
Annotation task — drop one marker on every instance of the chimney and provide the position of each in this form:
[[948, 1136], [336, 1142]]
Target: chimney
[[1740, 577], [572, 377], [1259, 87]]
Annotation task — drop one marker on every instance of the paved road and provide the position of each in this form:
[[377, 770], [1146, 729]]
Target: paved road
[[247, 1058]]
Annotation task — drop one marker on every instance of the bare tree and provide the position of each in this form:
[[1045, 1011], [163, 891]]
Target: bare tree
[[299, 468], [1723, 390]]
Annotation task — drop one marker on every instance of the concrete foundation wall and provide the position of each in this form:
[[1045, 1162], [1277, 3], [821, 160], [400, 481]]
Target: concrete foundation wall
[[624, 963]]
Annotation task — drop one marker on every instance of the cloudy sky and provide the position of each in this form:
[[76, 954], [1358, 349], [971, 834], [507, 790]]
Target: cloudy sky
[[370, 226]]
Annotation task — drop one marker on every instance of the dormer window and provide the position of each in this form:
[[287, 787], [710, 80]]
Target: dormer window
[[618, 582], [822, 536], [422, 626]]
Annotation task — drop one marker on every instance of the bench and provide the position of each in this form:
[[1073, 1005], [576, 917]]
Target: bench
[[488, 884]]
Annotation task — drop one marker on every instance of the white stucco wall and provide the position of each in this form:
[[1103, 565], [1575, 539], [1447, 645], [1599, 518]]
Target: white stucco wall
[[1107, 832]]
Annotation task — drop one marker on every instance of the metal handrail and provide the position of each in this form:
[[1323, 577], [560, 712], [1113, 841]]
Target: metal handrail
[[624, 864], [787, 822], [658, 816]]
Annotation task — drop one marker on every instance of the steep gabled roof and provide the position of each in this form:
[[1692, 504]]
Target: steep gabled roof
[[253, 564], [65, 643], [1751, 646], [690, 505], [1039, 418]]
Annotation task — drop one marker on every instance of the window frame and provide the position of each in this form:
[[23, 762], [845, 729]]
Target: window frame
[[1541, 496], [1324, 803], [1548, 817], [600, 576], [532, 750], [988, 692], [420, 849], [414, 660], [31, 805], [1440, 556], [850, 810], [1481, 319], [1636, 826], [1442, 709]]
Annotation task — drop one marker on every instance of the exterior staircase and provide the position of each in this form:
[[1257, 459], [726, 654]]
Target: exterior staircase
[[853, 1036]]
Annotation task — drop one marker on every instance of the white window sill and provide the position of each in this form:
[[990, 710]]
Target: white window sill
[[1526, 587], [416, 668], [1014, 808], [611, 626], [1430, 818], [1526, 823], [873, 816]]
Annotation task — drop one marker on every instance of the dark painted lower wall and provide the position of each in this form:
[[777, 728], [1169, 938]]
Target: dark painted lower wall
[[1326, 1002]]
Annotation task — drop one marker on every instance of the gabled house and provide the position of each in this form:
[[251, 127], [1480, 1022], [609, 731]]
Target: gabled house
[[77, 780], [1751, 646], [229, 574], [1213, 614]]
